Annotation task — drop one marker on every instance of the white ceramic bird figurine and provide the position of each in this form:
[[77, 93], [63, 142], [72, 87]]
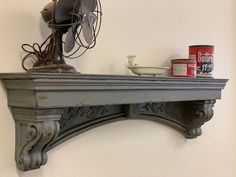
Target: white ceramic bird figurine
[[131, 61]]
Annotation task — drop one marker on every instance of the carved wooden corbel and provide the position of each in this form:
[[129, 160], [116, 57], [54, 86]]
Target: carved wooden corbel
[[35, 130], [32, 142], [197, 113]]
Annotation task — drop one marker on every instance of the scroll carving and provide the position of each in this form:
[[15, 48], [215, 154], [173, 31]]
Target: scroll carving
[[31, 153], [197, 113]]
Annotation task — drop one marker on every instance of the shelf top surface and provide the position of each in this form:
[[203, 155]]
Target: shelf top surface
[[31, 76]]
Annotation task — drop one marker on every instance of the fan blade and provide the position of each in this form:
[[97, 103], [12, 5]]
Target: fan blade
[[87, 33], [87, 27], [92, 18], [88, 6], [70, 38], [64, 8]]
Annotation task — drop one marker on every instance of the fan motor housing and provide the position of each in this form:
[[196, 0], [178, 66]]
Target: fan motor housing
[[47, 12]]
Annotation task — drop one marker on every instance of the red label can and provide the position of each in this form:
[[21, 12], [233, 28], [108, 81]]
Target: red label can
[[204, 56], [183, 68]]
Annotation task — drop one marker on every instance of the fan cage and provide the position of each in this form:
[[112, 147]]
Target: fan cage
[[81, 47]]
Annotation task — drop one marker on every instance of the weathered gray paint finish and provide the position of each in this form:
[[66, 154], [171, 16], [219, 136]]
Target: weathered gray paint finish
[[51, 108], [48, 90]]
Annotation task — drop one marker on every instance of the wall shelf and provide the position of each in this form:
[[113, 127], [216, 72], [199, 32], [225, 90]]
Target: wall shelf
[[48, 109]]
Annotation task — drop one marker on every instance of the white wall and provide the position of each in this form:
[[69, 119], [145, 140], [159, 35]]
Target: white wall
[[154, 30]]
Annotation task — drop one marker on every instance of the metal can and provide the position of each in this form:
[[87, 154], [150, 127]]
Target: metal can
[[183, 68], [204, 56]]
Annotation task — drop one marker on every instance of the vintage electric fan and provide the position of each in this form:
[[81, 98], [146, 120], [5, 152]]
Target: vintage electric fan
[[75, 25]]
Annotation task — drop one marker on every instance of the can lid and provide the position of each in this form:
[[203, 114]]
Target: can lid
[[201, 46], [183, 60]]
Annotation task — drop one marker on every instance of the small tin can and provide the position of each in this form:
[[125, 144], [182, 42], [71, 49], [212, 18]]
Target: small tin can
[[204, 56], [183, 68]]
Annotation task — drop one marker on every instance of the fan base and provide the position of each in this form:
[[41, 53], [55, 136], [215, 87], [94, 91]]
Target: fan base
[[60, 68]]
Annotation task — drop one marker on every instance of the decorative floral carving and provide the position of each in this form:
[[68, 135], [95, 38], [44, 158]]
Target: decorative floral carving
[[169, 111], [154, 107], [73, 113]]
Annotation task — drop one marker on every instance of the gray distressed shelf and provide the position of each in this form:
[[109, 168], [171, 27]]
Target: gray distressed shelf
[[48, 109]]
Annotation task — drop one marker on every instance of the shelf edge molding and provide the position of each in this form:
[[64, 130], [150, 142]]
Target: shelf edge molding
[[50, 108]]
